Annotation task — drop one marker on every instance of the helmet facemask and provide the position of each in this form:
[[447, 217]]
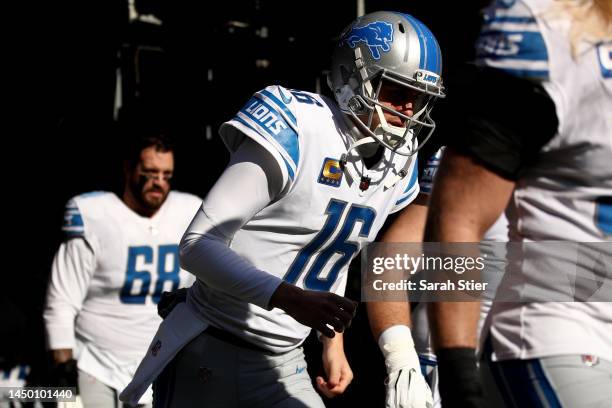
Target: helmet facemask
[[362, 96]]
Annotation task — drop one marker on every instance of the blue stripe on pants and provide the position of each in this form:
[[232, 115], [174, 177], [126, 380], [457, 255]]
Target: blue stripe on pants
[[523, 384]]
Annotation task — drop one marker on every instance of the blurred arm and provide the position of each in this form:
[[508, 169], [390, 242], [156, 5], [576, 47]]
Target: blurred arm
[[409, 226], [71, 273], [467, 199]]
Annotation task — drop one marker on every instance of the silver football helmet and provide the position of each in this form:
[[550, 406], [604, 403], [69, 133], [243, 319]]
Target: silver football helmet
[[387, 49]]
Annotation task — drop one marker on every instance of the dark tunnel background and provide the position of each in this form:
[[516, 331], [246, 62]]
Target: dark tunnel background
[[189, 74]]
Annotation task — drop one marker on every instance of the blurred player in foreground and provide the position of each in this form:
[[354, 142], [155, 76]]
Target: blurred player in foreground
[[535, 133]]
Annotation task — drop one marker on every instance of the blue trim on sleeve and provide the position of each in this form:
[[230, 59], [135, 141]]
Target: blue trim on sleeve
[[527, 73], [604, 217], [73, 219], [92, 194], [429, 172], [73, 225], [513, 45], [280, 104], [512, 19], [412, 183], [414, 176], [269, 119], [520, 53], [287, 165], [398, 202], [604, 57]]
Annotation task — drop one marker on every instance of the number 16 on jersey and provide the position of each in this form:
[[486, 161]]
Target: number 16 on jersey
[[313, 279]]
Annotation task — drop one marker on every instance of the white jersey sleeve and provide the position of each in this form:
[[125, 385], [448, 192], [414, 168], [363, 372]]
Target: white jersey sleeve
[[71, 273], [270, 120], [249, 183]]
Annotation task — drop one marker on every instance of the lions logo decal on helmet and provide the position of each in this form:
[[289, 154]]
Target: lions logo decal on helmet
[[378, 36]]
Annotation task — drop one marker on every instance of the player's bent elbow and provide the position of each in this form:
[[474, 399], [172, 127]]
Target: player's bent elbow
[[186, 247], [194, 247]]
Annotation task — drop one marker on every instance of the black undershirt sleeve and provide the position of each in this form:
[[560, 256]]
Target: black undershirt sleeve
[[500, 120]]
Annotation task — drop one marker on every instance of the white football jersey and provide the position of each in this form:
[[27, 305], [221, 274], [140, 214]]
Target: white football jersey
[[108, 276], [322, 220], [567, 194]]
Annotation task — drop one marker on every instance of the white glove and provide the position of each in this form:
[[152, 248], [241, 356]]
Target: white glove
[[406, 386]]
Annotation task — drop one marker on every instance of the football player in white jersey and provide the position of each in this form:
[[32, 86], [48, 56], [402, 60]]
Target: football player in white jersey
[[536, 135], [310, 182], [118, 256]]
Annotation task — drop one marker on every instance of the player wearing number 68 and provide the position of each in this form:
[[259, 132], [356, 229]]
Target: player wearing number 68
[[118, 256]]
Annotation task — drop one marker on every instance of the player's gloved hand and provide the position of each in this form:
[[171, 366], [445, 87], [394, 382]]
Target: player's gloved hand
[[406, 386], [66, 374], [315, 309]]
